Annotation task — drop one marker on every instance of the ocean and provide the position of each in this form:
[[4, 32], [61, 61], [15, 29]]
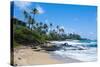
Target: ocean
[[83, 50]]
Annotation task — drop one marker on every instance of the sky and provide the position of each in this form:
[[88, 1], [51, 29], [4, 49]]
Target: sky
[[80, 19]]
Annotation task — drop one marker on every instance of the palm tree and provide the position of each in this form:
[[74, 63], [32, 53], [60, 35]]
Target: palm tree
[[33, 22], [29, 18], [51, 26], [25, 15], [29, 22], [61, 30], [34, 12], [45, 26], [54, 31], [37, 25], [57, 28], [41, 23]]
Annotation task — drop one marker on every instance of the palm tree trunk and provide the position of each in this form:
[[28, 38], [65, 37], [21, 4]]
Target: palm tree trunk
[[33, 20], [29, 25]]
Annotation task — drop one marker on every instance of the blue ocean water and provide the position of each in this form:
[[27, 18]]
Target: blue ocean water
[[90, 43], [88, 52]]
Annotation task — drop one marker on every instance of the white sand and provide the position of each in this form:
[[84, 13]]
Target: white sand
[[27, 56]]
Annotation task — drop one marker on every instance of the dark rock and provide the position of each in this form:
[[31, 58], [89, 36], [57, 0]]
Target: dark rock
[[51, 48], [34, 48]]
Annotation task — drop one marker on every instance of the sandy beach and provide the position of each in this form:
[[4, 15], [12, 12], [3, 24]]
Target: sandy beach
[[28, 56]]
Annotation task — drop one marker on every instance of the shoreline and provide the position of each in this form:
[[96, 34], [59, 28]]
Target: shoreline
[[28, 56]]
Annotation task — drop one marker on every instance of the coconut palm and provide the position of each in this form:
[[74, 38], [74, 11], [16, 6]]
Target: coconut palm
[[61, 30], [54, 31], [40, 23], [25, 15], [33, 22], [57, 28], [45, 26], [37, 25], [51, 26], [34, 12], [30, 22]]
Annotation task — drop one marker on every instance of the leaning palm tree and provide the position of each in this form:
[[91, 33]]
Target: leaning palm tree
[[34, 12], [26, 15]]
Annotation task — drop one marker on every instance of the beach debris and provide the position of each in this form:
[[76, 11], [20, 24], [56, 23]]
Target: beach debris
[[19, 58]]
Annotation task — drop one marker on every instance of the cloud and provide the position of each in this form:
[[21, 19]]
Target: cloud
[[22, 4], [62, 27], [40, 9], [91, 33]]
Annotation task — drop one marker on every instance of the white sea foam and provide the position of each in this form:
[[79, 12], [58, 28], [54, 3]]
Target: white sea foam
[[89, 54], [82, 55]]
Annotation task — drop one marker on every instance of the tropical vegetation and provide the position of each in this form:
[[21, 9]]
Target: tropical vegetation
[[30, 31]]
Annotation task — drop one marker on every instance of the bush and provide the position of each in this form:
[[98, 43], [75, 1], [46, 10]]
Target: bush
[[25, 36]]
